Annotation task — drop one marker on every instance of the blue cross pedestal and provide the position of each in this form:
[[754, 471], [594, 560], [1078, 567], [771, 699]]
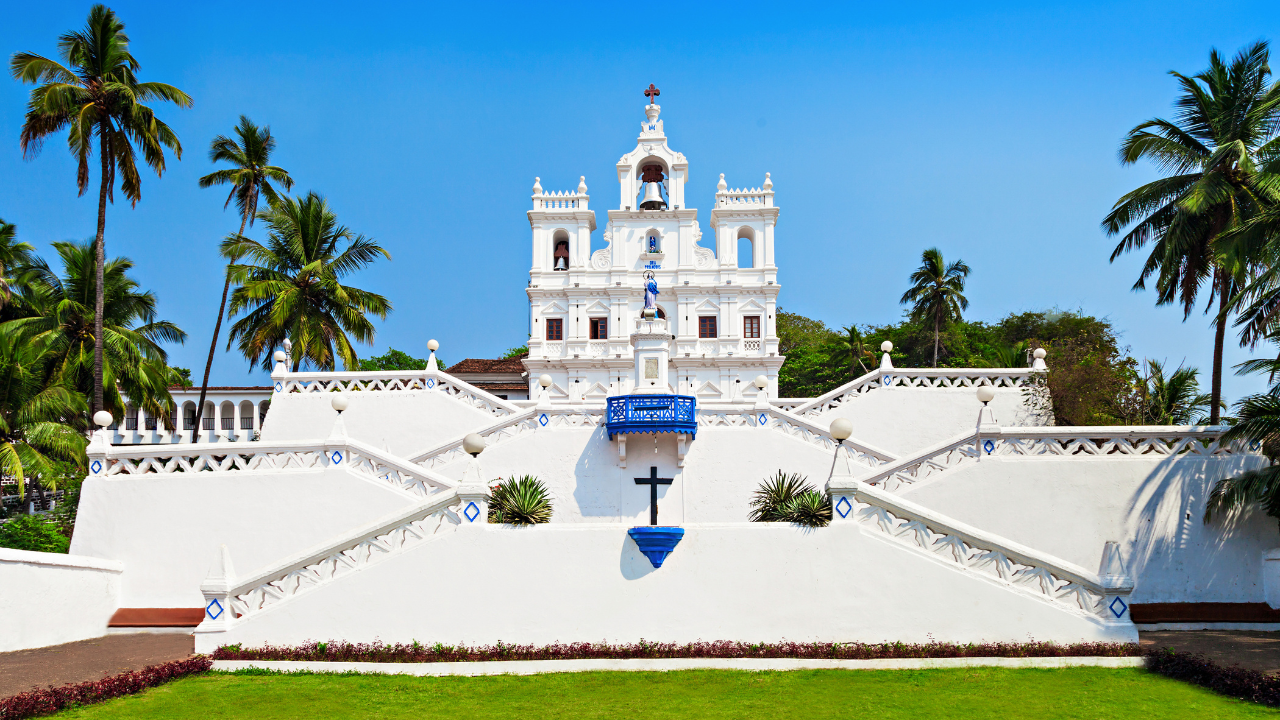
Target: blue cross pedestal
[[656, 542]]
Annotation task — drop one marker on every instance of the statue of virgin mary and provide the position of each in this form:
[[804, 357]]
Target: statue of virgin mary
[[650, 292]]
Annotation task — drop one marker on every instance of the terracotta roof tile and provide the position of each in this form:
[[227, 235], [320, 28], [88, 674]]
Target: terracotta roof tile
[[479, 365]]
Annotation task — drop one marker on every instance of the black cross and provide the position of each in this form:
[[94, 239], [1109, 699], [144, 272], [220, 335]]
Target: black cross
[[652, 92], [653, 481]]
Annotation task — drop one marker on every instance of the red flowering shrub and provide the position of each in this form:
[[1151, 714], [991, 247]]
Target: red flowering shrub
[[336, 651], [50, 700], [1233, 681]]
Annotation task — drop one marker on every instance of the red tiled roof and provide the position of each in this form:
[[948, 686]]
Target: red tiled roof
[[238, 388], [501, 387], [479, 365]]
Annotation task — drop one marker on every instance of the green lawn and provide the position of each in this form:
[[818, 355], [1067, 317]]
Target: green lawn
[[933, 694]]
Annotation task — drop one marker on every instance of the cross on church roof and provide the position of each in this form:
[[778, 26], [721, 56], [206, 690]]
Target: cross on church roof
[[652, 92]]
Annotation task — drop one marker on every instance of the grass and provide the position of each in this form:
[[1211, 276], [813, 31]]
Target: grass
[[865, 694]]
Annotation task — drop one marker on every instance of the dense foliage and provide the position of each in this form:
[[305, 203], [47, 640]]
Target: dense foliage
[[393, 360], [341, 651], [33, 532]]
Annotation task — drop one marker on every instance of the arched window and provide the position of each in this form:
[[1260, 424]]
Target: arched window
[[746, 247]]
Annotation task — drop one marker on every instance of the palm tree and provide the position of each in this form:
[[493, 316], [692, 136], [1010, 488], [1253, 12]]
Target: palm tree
[[96, 94], [1173, 400], [40, 423], [14, 258], [1257, 421], [853, 347], [1013, 355], [250, 176], [1226, 115], [291, 286], [937, 293], [63, 322]]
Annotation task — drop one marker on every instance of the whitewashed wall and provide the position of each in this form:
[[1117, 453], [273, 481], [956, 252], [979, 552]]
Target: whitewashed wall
[[1153, 506], [722, 468], [50, 598], [747, 582], [902, 420], [166, 528], [403, 421]]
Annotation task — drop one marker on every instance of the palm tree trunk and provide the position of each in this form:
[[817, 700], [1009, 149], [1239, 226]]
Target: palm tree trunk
[[1219, 335], [937, 323], [213, 346], [100, 252]]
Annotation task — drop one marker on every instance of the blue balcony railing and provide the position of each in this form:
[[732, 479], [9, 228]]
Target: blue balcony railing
[[652, 414]]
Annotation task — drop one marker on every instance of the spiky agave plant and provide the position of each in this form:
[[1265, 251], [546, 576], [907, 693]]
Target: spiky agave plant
[[775, 493], [523, 501], [810, 509]]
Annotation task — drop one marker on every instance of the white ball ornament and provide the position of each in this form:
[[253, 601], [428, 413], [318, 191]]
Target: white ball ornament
[[280, 356], [986, 394], [472, 444], [102, 418], [762, 382], [339, 402], [545, 381], [886, 346], [841, 429], [432, 345], [1039, 353]]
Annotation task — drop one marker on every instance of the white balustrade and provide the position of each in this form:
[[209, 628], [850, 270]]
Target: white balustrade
[[509, 428], [562, 200], [793, 426], [914, 378], [990, 557], [1107, 442], [368, 545], [394, 381]]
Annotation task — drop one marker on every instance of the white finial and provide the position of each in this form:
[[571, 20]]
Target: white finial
[[886, 347], [1038, 363], [537, 186], [102, 418], [582, 185], [432, 364], [721, 185], [768, 182], [433, 345]]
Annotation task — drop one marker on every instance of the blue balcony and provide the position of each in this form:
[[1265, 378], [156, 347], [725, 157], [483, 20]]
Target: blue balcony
[[652, 414]]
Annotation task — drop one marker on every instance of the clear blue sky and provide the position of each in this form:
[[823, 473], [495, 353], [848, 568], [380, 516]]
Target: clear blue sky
[[988, 132]]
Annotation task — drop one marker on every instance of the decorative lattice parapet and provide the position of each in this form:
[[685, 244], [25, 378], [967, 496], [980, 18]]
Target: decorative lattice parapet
[[932, 378], [509, 428], [229, 599], [1104, 597], [392, 381], [802, 429], [182, 459], [1108, 442]]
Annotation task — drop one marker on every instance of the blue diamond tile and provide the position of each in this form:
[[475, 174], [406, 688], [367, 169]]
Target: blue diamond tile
[[214, 609], [887, 379], [1118, 611], [431, 382], [279, 387], [844, 507], [472, 512], [336, 457], [542, 419], [96, 467], [1255, 445], [989, 446], [764, 419]]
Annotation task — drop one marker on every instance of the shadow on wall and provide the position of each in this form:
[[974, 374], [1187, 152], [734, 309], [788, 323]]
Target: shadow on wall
[[594, 495], [1174, 556]]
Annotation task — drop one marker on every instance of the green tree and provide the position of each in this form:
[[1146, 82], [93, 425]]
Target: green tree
[[41, 422], [515, 352], [393, 360], [1172, 400], [14, 258], [937, 293], [62, 326], [853, 347], [291, 286], [1226, 117], [96, 94], [251, 175]]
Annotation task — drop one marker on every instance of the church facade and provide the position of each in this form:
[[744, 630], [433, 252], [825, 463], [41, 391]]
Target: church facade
[[719, 307]]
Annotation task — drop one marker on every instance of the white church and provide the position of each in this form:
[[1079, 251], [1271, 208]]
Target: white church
[[360, 511]]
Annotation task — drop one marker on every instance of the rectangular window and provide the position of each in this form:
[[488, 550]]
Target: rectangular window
[[707, 327], [555, 329], [599, 328], [751, 326]]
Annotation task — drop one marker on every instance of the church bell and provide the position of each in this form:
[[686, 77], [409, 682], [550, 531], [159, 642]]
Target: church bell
[[562, 263], [651, 175]]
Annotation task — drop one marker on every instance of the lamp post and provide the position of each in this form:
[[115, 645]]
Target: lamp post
[[544, 395], [473, 493], [762, 397], [986, 421]]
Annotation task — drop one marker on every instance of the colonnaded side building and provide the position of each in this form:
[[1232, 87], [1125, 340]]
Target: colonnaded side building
[[648, 405]]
